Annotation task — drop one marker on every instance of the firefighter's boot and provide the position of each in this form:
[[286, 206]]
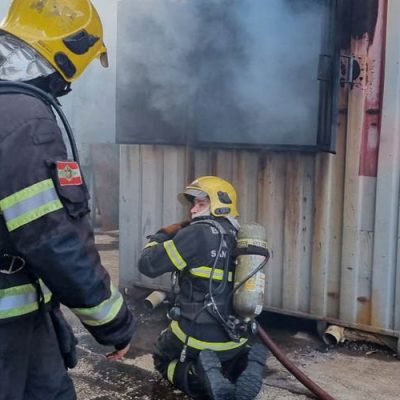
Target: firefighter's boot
[[208, 369], [249, 383]]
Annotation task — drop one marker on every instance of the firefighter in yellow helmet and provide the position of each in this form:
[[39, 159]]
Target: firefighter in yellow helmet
[[202, 352], [51, 41], [47, 250]]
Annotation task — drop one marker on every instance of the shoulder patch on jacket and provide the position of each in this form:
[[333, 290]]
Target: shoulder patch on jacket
[[68, 173]]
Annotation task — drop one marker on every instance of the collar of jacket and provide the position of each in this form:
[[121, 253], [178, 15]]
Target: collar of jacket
[[222, 220]]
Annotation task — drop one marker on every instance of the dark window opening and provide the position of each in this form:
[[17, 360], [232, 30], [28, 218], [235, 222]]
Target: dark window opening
[[228, 73]]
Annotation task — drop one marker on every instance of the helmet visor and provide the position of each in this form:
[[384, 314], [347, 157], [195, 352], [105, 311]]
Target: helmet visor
[[186, 198], [196, 193]]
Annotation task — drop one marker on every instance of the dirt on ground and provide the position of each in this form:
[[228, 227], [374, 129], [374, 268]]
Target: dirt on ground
[[349, 371]]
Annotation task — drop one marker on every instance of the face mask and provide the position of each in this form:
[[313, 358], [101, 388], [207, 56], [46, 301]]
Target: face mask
[[19, 62]]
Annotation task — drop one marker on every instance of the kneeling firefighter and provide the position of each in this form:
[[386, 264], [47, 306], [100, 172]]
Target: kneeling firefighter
[[47, 250], [205, 350]]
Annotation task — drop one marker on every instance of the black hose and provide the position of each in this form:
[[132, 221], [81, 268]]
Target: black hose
[[297, 373]]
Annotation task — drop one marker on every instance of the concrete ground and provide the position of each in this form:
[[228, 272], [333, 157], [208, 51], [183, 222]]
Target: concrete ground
[[351, 371]]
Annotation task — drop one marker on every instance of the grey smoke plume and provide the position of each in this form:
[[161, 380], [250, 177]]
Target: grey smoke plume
[[231, 70], [220, 70]]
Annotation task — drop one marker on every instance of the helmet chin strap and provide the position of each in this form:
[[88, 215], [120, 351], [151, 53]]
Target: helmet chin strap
[[53, 84]]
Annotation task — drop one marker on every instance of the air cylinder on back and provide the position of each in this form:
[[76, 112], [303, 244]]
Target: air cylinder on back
[[248, 299]]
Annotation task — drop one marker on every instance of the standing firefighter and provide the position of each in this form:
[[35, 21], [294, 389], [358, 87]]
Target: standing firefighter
[[47, 250], [201, 353]]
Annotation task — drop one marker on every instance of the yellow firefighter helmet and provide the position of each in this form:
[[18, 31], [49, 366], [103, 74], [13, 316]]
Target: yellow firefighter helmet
[[67, 33], [223, 198]]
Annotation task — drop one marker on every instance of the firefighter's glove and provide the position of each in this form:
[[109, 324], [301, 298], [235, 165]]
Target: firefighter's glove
[[167, 232], [174, 228]]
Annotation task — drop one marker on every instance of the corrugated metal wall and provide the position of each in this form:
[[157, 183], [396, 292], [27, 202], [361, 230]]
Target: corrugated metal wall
[[332, 226]]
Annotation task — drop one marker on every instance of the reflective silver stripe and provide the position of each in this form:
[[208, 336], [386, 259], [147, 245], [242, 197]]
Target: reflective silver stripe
[[102, 313], [21, 300], [150, 244], [30, 204], [174, 255], [205, 272], [18, 300]]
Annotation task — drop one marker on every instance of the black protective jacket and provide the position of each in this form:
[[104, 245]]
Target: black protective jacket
[[192, 253], [44, 207]]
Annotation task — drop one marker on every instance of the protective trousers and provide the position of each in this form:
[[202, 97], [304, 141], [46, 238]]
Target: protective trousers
[[185, 375], [31, 366]]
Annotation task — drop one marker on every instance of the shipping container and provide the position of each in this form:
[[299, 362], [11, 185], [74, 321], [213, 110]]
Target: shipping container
[[332, 217]]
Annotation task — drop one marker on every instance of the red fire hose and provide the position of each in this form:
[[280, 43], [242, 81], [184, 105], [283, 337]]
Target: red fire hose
[[298, 374]]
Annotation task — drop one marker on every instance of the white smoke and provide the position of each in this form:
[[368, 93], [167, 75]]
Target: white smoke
[[241, 69]]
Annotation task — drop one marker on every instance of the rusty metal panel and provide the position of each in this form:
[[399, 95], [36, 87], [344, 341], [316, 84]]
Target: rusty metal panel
[[386, 273], [326, 250], [152, 176], [397, 283], [328, 222], [174, 161], [130, 223], [360, 176], [297, 232], [244, 178], [223, 164], [271, 211], [201, 163]]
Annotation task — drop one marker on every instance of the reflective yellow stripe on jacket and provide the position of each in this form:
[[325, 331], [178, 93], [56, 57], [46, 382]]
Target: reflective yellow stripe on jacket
[[102, 313], [150, 244], [201, 345], [30, 204], [205, 272], [174, 255], [20, 300], [171, 371]]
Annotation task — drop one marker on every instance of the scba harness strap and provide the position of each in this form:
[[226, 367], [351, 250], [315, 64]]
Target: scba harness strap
[[213, 223], [251, 250], [8, 87]]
